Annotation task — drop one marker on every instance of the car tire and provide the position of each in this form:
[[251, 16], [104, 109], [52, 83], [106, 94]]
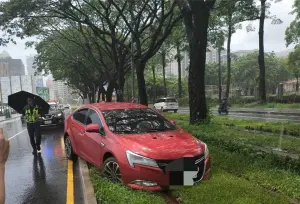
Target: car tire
[[175, 111], [111, 170], [69, 149]]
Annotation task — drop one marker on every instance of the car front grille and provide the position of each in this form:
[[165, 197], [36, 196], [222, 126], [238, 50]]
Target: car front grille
[[199, 162], [48, 116]]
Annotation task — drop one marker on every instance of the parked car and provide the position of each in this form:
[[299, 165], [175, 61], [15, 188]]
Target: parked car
[[166, 104], [132, 143], [55, 116]]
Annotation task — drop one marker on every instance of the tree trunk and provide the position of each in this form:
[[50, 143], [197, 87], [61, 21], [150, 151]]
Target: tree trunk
[[120, 90], [127, 90], [229, 57], [154, 84], [220, 75], [261, 57], [179, 71], [99, 95], [297, 84], [140, 68], [198, 45], [109, 92], [163, 55]]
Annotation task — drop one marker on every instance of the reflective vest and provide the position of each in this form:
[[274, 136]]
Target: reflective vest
[[31, 116]]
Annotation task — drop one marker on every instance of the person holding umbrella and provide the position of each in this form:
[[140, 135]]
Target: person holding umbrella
[[32, 112]]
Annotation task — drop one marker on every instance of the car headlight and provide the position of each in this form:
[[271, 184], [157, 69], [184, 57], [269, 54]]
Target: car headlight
[[206, 151], [59, 115], [138, 159]]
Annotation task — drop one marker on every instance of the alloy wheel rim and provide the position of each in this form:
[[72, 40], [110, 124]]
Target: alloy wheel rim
[[68, 147], [112, 171]]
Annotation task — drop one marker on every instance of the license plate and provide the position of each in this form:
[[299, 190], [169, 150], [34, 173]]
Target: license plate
[[47, 122]]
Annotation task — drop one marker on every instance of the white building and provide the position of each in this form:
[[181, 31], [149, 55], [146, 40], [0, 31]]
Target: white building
[[31, 71], [58, 90], [172, 65]]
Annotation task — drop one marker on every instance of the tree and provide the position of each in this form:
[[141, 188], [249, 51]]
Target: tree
[[196, 18], [151, 22], [294, 64], [246, 72], [264, 6], [68, 62], [235, 12], [292, 33]]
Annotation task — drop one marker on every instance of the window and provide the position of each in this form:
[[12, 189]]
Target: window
[[172, 100], [93, 118], [80, 115], [160, 101], [136, 121]]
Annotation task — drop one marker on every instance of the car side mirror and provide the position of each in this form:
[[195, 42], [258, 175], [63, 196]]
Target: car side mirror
[[94, 128], [173, 122]]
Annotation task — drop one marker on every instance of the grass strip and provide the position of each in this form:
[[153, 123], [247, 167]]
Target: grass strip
[[112, 193], [226, 188], [218, 131]]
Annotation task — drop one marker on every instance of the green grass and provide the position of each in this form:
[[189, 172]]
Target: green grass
[[217, 131], [268, 105], [110, 193], [226, 188]]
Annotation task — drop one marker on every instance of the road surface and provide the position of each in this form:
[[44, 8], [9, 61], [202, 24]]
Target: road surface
[[41, 179], [255, 116]]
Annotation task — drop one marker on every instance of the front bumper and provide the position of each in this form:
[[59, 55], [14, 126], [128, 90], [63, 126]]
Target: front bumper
[[154, 179], [54, 121]]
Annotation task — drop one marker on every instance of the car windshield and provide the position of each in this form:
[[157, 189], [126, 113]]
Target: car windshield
[[53, 107], [136, 121]]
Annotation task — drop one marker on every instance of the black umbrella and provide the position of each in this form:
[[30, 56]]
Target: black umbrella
[[18, 101]]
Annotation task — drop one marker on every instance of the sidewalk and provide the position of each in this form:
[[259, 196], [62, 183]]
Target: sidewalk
[[13, 116]]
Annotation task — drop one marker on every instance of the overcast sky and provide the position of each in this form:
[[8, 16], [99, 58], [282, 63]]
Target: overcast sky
[[242, 40]]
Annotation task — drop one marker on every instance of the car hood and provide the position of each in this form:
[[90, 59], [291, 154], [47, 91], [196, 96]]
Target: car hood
[[163, 145]]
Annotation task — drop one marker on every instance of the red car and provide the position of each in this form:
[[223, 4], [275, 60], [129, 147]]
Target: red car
[[133, 144]]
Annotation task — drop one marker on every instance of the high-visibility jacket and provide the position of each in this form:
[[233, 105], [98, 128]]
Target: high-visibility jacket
[[30, 115]]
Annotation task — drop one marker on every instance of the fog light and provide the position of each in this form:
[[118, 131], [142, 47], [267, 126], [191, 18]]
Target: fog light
[[144, 183]]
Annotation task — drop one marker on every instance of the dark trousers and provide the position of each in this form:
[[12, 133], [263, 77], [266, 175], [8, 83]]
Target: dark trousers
[[34, 132]]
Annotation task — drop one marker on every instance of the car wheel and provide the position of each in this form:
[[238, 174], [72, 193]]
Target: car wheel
[[175, 111], [111, 170], [69, 149]]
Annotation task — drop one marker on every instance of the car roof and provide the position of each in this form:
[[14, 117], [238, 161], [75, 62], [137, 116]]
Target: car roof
[[167, 98], [114, 105]]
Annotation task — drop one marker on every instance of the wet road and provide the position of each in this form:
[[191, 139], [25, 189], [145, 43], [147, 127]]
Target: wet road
[[38, 179], [255, 116]]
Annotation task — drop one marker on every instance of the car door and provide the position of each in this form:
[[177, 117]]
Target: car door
[[78, 130], [93, 143]]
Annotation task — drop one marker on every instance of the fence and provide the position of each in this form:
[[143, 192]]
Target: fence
[[10, 85]]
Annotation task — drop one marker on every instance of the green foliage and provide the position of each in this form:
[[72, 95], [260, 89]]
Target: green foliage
[[246, 72], [294, 61]]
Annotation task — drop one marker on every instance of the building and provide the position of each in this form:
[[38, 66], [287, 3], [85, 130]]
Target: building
[[32, 71], [29, 65], [10, 67], [59, 91], [172, 65]]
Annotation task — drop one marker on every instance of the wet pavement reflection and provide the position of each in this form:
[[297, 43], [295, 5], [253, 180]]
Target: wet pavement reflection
[[38, 179]]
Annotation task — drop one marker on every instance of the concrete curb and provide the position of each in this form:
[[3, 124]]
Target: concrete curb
[[87, 186]]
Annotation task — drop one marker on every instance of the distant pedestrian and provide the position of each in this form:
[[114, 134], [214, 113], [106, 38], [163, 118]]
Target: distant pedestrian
[[32, 112], [4, 151]]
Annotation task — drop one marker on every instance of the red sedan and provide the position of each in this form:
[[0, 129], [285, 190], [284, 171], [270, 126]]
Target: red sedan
[[134, 144]]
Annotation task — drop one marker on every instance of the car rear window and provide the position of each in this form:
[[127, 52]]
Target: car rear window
[[136, 121], [172, 100]]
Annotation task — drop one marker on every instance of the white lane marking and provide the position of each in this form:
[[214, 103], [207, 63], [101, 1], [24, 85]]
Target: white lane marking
[[17, 134]]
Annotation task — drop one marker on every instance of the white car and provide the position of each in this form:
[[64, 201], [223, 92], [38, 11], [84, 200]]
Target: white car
[[166, 104]]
